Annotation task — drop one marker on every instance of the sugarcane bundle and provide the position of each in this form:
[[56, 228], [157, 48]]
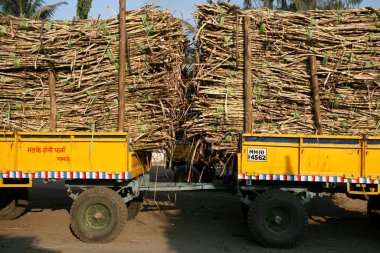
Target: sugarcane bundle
[[84, 57], [346, 44]]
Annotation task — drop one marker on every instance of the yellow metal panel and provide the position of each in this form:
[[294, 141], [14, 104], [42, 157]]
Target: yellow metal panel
[[26, 185], [34, 152], [372, 158], [7, 152], [331, 161], [110, 157], [43, 155], [137, 165], [303, 155]]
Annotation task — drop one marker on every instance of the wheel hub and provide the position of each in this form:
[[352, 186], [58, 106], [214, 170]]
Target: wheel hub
[[97, 216], [277, 220]]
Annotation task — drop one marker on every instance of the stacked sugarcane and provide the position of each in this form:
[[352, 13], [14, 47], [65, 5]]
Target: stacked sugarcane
[[84, 58], [345, 43]]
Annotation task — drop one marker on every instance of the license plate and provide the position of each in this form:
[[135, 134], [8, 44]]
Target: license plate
[[257, 155]]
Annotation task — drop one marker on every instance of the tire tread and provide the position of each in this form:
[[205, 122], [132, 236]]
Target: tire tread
[[255, 227], [110, 195]]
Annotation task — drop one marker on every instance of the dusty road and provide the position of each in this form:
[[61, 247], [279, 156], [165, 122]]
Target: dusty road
[[199, 222]]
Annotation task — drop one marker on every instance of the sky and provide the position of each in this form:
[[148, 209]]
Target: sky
[[180, 8]]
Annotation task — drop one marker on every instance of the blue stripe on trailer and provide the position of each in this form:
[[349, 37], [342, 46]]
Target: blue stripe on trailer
[[100, 136], [331, 141], [31, 136], [3, 136], [373, 142], [272, 139]]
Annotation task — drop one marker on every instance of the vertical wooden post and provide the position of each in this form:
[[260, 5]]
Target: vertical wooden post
[[122, 63], [247, 76], [53, 101], [315, 94]]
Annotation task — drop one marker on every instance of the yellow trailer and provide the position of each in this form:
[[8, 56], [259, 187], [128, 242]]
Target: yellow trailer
[[278, 173], [87, 159]]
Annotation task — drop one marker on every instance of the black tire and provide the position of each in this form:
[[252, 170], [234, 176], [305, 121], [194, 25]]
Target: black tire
[[13, 202], [277, 219], [373, 208], [134, 207], [181, 174], [98, 215], [244, 209]]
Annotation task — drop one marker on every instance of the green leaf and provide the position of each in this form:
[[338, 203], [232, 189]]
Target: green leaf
[[296, 114], [24, 25], [131, 88], [141, 48], [229, 91], [111, 55], [214, 128], [228, 137], [325, 60], [140, 80], [368, 65], [262, 28], [227, 41], [138, 106], [3, 30], [221, 20], [313, 22], [309, 34], [105, 29], [18, 105], [371, 37], [87, 25], [345, 124], [149, 29], [48, 25], [143, 128], [113, 38], [149, 98], [16, 62], [219, 109], [144, 18]]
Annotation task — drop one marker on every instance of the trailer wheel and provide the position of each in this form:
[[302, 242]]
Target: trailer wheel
[[13, 202], [181, 174], [373, 208], [98, 215], [277, 219]]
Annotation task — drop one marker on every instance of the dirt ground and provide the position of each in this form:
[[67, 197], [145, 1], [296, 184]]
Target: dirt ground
[[197, 222]]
